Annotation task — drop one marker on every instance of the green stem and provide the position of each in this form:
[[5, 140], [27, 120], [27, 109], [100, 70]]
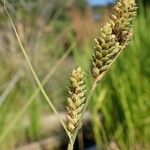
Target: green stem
[[96, 129], [32, 98], [34, 74], [70, 146], [98, 79], [84, 110]]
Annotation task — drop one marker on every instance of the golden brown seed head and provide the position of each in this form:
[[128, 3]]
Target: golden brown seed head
[[113, 37], [76, 99]]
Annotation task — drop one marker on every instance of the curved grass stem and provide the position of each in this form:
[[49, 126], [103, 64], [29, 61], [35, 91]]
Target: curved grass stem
[[70, 146], [33, 96], [35, 75]]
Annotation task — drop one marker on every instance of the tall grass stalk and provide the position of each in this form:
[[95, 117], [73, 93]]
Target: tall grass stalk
[[32, 98], [34, 74], [112, 40], [10, 87]]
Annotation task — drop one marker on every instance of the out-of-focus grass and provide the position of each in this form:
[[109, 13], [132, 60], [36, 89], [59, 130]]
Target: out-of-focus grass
[[120, 105], [41, 44]]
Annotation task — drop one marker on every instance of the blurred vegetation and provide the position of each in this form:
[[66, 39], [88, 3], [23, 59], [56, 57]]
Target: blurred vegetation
[[146, 2], [80, 4], [120, 105]]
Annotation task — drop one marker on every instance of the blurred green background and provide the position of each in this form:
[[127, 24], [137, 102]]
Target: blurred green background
[[120, 106]]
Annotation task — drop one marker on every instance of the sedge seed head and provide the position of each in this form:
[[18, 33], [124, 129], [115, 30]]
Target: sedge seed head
[[76, 99], [114, 36]]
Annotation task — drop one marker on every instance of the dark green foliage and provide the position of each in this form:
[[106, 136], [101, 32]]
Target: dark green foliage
[[146, 2]]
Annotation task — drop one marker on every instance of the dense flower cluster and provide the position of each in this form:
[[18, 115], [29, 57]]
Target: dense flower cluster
[[76, 99], [114, 36]]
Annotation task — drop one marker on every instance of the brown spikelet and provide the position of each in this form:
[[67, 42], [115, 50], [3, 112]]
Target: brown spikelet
[[76, 99], [123, 16], [113, 37], [105, 50]]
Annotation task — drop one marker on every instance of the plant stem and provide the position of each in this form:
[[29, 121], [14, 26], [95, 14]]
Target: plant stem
[[32, 98], [84, 109], [34, 74], [70, 146], [97, 80]]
